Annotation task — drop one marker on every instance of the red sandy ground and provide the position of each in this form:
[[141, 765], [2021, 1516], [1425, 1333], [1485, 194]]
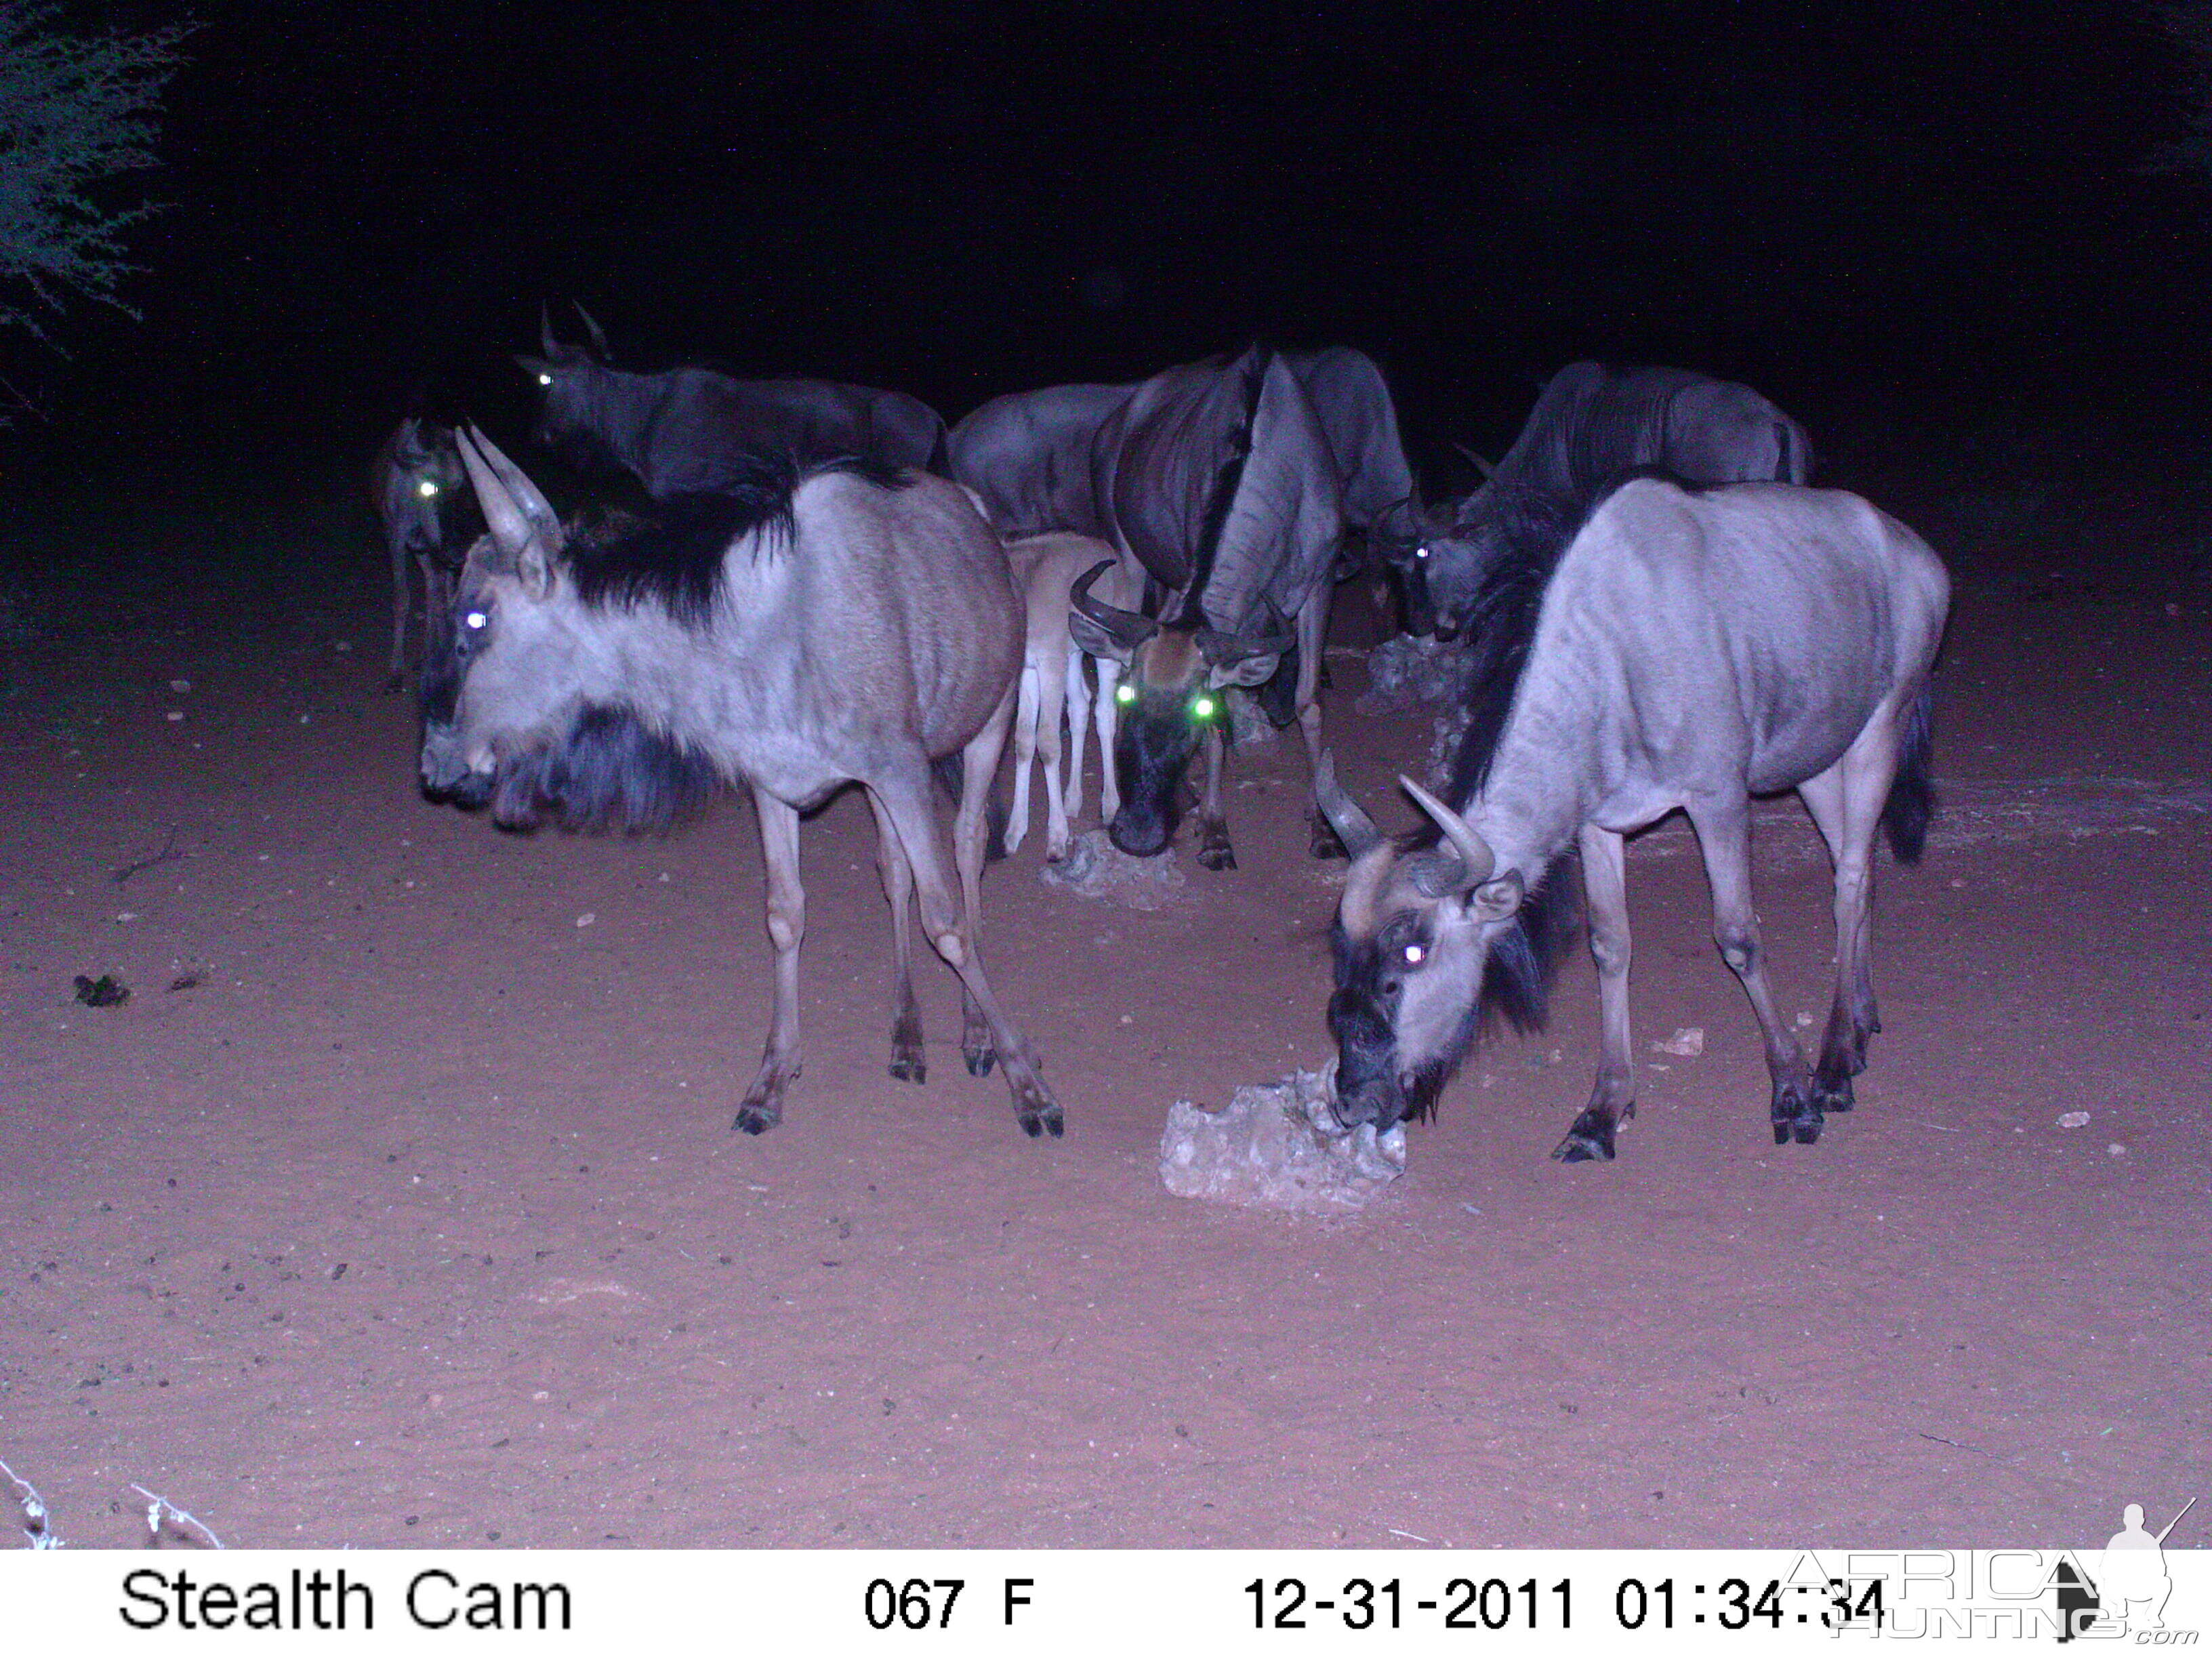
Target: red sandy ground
[[418, 1219]]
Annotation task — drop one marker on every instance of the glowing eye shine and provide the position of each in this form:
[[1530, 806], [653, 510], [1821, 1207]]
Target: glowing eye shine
[[425, 489], [1415, 955], [1203, 707], [545, 379], [1125, 694], [476, 619], [1422, 551]]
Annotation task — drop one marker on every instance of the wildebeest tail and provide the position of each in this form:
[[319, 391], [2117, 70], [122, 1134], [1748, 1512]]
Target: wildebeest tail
[[996, 811], [1911, 802], [940, 453]]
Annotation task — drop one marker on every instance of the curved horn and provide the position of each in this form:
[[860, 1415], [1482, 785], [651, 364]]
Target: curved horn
[[546, 342], [502, 486], [598, 335], [1128, 627], [1352, 825], [1220, 650], [1476, 860], [1488, 469]]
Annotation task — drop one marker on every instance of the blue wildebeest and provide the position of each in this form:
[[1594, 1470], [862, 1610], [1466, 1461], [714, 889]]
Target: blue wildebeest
[[1028, 455], [808, 628], [1217, 479], [1380, 502], [690, 431], [1591, 426], [1690, 649], [416, 485]]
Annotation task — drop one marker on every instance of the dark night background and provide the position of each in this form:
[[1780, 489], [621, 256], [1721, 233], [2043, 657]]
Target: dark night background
[[1889, 217]]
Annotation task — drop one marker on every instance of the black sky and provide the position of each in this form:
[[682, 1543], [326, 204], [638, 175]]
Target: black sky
[[1872, 203]]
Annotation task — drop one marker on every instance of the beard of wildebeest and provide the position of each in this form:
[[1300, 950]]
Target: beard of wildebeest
[[1167, 707]]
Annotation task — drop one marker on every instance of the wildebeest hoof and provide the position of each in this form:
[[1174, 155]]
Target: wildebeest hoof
[[1795, 1114], [1589, 1139], [909, 1068], [1833, 1097], [757, 1117], [1037, 1120], [980, 1061]]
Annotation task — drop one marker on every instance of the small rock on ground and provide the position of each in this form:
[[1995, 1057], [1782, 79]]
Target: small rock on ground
[[1280, 1147]]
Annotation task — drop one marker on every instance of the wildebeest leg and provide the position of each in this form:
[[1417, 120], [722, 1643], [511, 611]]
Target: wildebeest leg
[[1214, 851], [1846, 802], [1313, 665], [396, 674], [1605, 889], [762, 1106], [979, 760], [906, 801], [1078, 729], [909, 1064], [1724, 834], [1110, 722], [1052, 699], [1025, 747]]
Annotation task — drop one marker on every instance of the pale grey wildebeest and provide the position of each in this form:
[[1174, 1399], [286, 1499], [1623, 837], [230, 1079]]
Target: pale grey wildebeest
[[1690, 649], [1589, 428], [1217, 480], [416, 486], [690, 430], [811, 629]]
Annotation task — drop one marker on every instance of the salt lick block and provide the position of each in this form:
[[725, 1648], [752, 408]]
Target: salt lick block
[[1279, 1148], [1095, 869]]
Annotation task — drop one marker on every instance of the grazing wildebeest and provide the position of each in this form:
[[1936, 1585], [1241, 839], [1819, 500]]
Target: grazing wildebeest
[[809, 629], [1690, 649], [1047, 568], [1590, 426], [1217, 480], [416, 485], [692, 430]]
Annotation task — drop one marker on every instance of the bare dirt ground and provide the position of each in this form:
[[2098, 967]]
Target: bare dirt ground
[[416, 1216]]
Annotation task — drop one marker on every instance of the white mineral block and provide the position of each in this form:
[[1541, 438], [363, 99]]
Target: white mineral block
[[1280, 1147]]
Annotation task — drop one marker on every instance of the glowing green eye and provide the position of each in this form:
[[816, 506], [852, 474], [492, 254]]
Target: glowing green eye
[[1203, 707], [425, 489], [1125, 694], [545, 379]]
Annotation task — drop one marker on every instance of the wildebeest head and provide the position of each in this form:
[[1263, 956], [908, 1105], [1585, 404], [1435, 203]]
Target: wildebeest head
[[1415, 935], [568, 381], [427, 466], [1169, 699]]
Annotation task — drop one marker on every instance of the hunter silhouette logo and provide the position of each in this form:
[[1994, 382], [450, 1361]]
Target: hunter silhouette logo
[[2131, 1585]]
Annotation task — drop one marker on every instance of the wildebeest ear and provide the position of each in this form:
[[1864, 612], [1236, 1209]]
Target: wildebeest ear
[[1248, 673], [1494, 901], [1098, 640], [534, 569]]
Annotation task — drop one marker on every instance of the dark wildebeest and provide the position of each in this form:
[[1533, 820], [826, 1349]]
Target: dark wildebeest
[[1217, 479], [1028, 455], [1382, 505], [807, 629], [1690, 649], [416, 485], [1591, 427], [692, 430]]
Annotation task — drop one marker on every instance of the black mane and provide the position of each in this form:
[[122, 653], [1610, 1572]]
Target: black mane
[[1501, 623], [1226, 482], [673, 558]]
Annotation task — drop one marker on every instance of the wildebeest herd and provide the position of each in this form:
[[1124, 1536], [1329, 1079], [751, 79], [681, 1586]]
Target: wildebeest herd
[[1656, 613]]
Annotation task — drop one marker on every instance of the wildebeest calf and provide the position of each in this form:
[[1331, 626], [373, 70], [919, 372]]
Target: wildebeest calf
[[812, 629]]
